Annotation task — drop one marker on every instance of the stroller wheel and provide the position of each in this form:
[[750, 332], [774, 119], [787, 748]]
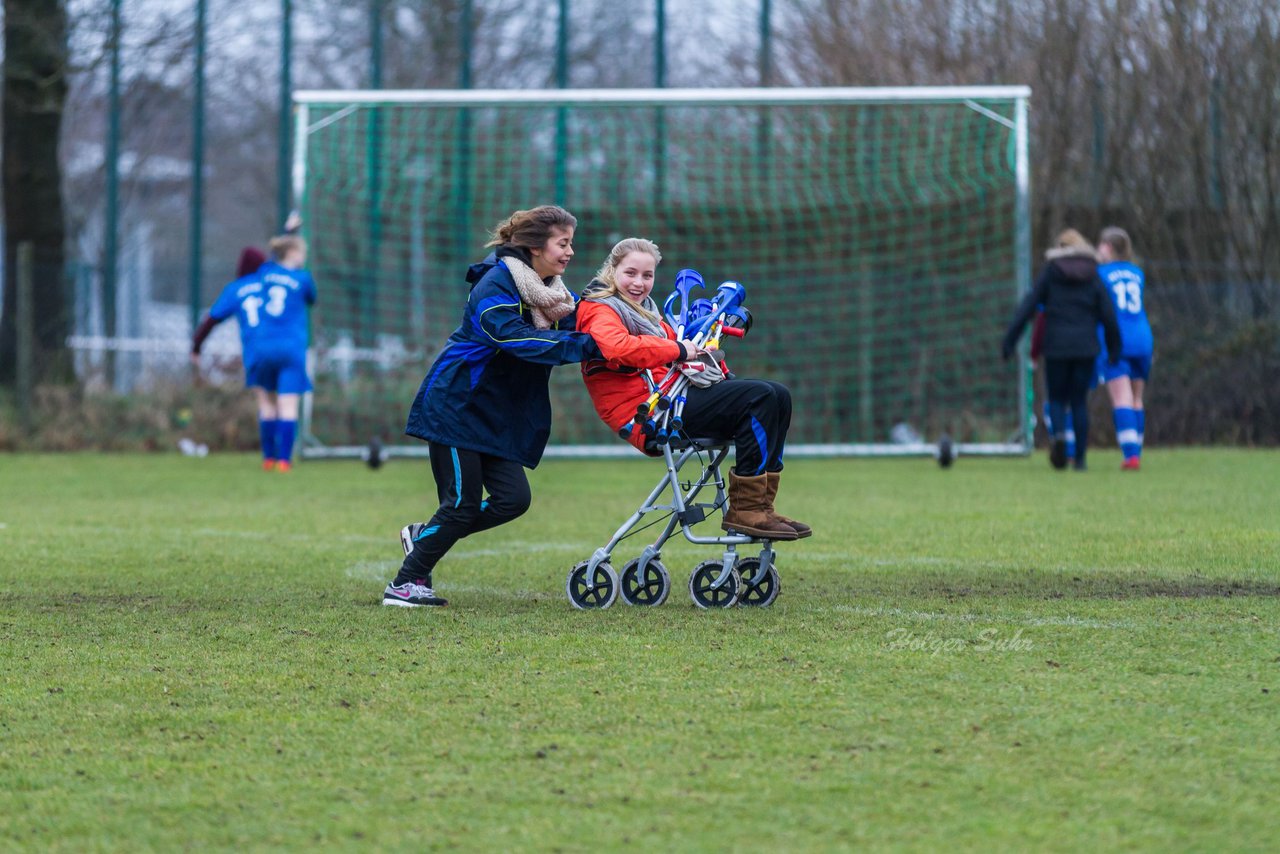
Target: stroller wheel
[[758, 595], [702, 592], [651, 590], [600, 594]]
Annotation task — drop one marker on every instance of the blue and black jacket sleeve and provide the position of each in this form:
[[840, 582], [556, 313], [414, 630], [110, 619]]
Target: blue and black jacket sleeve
[[496, 319]]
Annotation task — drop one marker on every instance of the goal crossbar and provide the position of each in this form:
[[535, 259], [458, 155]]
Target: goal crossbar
[[661, 97]]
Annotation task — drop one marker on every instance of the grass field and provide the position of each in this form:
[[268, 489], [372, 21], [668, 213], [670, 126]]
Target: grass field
[[192, 655]]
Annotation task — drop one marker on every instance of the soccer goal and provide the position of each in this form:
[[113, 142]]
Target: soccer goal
[[882, 235]]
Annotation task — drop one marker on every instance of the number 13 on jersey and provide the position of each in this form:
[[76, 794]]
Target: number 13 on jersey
[[252, 304], [1128, 296]]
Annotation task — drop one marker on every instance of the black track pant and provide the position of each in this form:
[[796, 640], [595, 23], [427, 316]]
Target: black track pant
[[462, 478], [756, 414], [1068, 386]]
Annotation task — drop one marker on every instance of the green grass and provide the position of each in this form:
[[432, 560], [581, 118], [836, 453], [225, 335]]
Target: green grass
[[192, 655]]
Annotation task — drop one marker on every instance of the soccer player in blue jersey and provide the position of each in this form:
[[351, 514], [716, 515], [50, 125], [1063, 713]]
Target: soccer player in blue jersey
[[484, 405], [271, 305], [1126, 379]]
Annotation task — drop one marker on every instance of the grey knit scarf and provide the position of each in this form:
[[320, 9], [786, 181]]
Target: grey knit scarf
[[636, 323]]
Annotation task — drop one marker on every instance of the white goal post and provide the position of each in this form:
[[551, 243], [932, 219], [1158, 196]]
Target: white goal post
[[882, 234]]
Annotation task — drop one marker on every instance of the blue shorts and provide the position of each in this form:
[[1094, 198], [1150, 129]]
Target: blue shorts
[[1133, 367], [281, 371]]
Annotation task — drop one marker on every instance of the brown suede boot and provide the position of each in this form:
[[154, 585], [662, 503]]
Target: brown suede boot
[[748, 511], [802, 530]]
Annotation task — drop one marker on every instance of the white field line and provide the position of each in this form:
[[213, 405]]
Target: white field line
[[372, 570], [854, 562], [511, 548], [906, 560], [785, 560], [278, 536], [379, 569], [520, 547], [523, 595], [1074, 622], [382, 571]]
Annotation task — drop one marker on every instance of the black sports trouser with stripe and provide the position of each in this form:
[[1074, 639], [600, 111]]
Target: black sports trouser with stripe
[[756, 414], [462, 478], [1067, 381]]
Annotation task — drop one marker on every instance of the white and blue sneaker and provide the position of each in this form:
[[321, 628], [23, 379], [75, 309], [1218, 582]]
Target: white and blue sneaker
[[411, 594], [409, 533]]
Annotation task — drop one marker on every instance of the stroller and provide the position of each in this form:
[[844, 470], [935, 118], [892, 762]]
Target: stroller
[[720, 582]]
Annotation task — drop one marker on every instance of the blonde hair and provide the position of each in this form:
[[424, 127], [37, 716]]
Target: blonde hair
[[284, 244], [608, 272], [1118, 239], [531, 229], [1072, 239]]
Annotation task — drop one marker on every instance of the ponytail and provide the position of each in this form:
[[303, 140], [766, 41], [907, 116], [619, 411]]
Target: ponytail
[[531, 229]]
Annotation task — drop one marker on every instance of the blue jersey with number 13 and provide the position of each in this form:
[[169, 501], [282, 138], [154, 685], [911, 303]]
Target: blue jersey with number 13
[[1125, 282], [271, 307]]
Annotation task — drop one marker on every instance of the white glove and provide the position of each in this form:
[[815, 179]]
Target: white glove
[[703, 371]]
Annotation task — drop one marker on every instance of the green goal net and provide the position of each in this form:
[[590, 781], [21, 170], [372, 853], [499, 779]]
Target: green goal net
[[881, 235]]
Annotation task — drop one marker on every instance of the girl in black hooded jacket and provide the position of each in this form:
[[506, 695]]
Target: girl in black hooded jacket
[[1075, 301]]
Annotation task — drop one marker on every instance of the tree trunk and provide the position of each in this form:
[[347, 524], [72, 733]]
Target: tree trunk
[[35, 91]]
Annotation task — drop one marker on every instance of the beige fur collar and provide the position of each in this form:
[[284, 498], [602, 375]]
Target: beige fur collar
[[1070, 252], [547, 301]]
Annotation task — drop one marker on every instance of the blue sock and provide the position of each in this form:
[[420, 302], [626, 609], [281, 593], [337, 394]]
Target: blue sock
[[1141, 426], [1127, 431], [286, 432], [1070, 435], [267, 437], [1056, 418]]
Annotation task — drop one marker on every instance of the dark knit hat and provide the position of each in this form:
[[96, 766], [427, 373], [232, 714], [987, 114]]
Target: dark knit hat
[[251, 258]]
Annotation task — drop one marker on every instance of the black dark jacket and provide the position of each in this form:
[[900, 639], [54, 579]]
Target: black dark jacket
[[1075, 301], [487, 390]]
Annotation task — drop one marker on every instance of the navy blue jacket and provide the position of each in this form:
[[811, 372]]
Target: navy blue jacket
[[487, 390], [1075, 301]]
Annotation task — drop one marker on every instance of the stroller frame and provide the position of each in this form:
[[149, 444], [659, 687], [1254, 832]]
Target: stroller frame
[[713, 583]]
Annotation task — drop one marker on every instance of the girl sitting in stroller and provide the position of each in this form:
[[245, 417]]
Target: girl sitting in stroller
[[619, 313]]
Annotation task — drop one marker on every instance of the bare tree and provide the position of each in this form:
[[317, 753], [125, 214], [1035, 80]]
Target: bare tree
[[35, 90], [1158, 115]]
